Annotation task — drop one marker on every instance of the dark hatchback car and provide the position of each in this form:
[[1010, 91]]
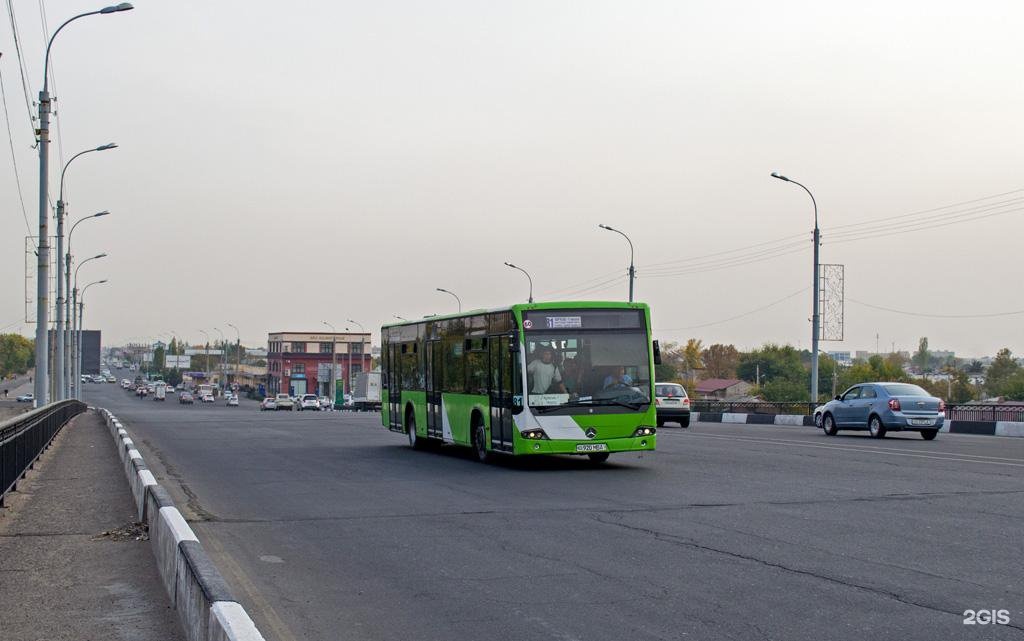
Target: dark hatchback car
[[884, 407]]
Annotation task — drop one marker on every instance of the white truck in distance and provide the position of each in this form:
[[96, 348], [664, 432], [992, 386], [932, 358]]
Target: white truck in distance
[[366, 392]]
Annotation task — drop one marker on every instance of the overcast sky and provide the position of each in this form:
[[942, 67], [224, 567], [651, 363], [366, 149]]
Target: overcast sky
[[287, 163]]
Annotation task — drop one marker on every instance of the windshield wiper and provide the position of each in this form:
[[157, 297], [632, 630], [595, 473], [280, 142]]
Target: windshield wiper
[[601, 402]]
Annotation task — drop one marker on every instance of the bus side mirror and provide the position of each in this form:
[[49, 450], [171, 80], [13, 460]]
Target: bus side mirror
[[657, 353]]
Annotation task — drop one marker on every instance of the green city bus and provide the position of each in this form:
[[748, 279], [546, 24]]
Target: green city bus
[[544, 378]]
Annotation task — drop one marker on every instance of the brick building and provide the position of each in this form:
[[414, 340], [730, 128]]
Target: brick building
[[300, 362]]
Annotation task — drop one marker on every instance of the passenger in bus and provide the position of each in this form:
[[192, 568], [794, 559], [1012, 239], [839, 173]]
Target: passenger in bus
[[571, 376], [544, 373]]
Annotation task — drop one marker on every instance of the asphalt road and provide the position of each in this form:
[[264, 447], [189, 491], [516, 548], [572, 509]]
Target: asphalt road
[[329, 527]]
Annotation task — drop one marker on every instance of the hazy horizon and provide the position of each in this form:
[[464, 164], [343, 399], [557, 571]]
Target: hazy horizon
[[281, 166]]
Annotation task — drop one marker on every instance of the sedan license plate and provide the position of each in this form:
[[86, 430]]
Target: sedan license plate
[[922, 421], [591, 447]]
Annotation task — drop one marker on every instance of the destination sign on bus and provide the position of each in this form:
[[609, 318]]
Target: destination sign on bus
[[543, 320]]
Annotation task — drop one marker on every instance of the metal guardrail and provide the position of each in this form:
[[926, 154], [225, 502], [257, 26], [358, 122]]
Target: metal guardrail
[[984, 412], [24, 437], [752, 407]]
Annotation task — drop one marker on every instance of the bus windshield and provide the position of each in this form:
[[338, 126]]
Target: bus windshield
[[587, 368]]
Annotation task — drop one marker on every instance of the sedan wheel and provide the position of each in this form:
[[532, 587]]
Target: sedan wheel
[[929, 435], [829, 425], [875, 427]]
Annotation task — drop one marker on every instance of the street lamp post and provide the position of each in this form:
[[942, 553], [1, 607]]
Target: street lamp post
[[76, 325], [63, 265], [238, 351], [632, 271], [207, 335], [441, 289], [816, 284], [507, 264], [78, 343], [69, 307], [334, 363], [404, 320], [223, 358], [43, 265], [362, 351]]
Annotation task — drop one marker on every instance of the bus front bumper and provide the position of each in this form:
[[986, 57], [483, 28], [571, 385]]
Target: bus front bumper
[[611, 445]]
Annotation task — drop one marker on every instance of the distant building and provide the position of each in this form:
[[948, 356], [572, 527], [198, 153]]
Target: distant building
[[722, 389], [841, 358], [300, 362]]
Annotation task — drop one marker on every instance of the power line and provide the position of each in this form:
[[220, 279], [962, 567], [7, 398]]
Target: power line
[[14, 158], [732, 318], [22, 69], [926, 315], [926, 211], [931, 221]]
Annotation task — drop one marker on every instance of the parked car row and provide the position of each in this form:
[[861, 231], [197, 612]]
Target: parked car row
[[284, 401]]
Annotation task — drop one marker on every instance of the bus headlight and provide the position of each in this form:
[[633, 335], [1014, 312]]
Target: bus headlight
[[534, 435], [644, 431]]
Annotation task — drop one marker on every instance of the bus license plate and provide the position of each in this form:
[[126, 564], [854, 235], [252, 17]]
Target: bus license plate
[[591, 447]]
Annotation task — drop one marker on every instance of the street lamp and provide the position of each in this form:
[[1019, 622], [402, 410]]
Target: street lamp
[[334, 363], [207, 335], [238, 351], [815, 281], [441, 289], [508, 264], [77, 328], [60, 363], [69, 309], [43, 265], [223, 356], [78, 342], [404, 320], [632, 271], [362, 351]]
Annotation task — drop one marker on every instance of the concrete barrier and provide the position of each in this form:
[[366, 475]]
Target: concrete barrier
[[165, 534], [199, 585], [204, 602], [230, 622]]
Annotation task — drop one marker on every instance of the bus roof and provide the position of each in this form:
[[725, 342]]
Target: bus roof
[[573, 304]]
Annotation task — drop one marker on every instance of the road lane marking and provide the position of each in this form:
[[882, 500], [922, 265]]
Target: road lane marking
[[869, 450]]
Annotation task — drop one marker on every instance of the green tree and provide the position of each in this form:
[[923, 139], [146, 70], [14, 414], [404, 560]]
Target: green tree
[[1013, 388], [781, 390], [158, 358], [692, 357], [1000, 372], [921, 357], [720, 361], [776, 362], [17, 354]]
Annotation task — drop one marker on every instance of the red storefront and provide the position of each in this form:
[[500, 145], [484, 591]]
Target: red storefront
[[300, 362]]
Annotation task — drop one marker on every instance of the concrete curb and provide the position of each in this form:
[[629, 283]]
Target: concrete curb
[[983, 428], [203, 599]]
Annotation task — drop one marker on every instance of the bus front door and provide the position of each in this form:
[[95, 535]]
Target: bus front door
[[395, 388], [433, 387], [501, 393]]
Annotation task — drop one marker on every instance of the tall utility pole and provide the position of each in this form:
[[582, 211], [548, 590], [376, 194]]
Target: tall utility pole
[[632, 271], [207, 335], [815, 320], [334, 363], [223, 358], [42, 375]]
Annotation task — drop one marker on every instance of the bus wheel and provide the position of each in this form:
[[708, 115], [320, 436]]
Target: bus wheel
[[415, 442], [598, 457], [480, 444]]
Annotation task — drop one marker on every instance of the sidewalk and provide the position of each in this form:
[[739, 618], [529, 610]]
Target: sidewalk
[[70, 565]]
